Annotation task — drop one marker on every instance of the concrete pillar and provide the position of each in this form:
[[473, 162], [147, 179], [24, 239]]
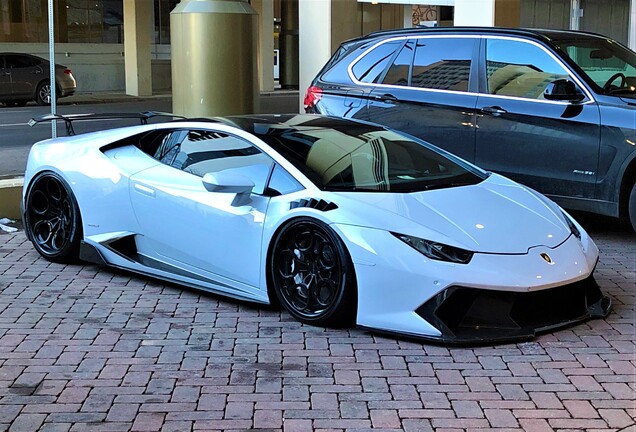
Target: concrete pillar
[[575, 14], [475, 13], [265, 10], [214, 58], [408, 16], [632, 25], [289, 44], [137, 38], [314, 41]]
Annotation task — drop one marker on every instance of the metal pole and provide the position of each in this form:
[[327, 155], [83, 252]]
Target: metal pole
[[52, 69]]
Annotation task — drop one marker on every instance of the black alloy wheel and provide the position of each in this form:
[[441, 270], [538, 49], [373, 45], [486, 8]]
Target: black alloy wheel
[[312, 274], [52, 218]]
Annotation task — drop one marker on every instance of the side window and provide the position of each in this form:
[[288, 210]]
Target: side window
[[15, 61], [370, 67], [521, 69], [398, 73], [442, 63], [282, 182], [203, 151]]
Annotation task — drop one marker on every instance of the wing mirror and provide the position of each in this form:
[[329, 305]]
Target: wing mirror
[[228, 182], [563, 90]]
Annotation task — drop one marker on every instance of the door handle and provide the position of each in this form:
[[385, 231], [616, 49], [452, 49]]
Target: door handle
[[36, 72], [145, 190], [494, 110], [386, 98]]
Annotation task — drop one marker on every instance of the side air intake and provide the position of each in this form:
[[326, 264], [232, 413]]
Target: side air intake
[[313, 203]]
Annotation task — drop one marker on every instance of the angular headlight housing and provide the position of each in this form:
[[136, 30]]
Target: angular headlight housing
[[435, 250], [573, 229]]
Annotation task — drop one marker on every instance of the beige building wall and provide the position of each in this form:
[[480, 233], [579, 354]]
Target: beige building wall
[[138, 19]]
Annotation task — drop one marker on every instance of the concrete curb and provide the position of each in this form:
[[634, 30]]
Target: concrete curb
[[10, 197]]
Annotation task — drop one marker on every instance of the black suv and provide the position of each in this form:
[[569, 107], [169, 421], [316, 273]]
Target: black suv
[[555, 110]]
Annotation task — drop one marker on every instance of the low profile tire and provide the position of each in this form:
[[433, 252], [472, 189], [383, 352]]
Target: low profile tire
[[312, 274], [52, 218], [43, 94], [632, 207]]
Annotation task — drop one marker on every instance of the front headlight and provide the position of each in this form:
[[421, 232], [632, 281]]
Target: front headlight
[[437, 251], [573, 229]]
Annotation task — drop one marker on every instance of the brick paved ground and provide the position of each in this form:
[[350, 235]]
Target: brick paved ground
[[85, 348]]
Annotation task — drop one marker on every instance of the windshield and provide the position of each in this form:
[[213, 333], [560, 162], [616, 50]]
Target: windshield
[[369, 159], [609, 64]]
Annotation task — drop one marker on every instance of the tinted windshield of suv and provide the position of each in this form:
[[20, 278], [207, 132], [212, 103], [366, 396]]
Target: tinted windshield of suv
[[367, 160], [610, 65]]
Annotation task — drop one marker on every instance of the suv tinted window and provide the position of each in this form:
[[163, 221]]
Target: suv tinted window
[[398, 73], [442, 63], [521, 69], [369, 68]]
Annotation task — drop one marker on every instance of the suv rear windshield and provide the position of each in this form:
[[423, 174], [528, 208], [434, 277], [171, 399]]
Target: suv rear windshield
[[369, 160]]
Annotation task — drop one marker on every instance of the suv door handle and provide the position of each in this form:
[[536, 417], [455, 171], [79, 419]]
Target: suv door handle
[[386, 98], [494, 110]]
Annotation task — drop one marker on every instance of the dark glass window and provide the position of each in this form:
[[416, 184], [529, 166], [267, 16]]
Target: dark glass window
[[18, 61], [521, 69], [202, 151], [442, 63], [398, 73], [369, 68], [282, 182], [365, 159]]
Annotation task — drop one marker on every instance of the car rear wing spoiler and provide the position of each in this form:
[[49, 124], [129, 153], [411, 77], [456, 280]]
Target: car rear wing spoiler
[[68, 119]]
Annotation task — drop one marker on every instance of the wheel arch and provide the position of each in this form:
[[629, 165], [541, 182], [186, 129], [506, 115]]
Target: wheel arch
[[297, 216], [627, 181]]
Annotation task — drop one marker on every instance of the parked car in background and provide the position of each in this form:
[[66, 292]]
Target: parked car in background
[[25, 77], [554, 110]]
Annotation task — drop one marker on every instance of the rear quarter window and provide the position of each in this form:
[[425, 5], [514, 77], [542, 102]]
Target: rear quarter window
[[369, 67]]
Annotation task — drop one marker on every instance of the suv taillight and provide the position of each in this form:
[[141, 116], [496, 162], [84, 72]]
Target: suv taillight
[[68, 71], [312, 97]]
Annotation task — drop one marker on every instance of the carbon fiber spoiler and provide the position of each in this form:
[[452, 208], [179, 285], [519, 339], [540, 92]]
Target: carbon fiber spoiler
[[68, 119]]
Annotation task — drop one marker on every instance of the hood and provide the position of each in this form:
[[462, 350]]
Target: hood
[[494, 216]]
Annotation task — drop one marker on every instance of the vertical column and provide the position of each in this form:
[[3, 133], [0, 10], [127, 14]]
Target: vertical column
[[575, 14], [475, 13], [632, 25], [314, 41], [288, 43], [137, 31], [265, 10], [408, 16]]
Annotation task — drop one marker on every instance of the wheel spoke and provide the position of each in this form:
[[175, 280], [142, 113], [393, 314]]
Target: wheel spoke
[[51, 215], [308, 271]]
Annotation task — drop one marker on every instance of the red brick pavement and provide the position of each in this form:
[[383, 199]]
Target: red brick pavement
[[87, 348]]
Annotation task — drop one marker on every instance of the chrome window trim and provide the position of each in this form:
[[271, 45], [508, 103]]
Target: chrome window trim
[[588, 94]]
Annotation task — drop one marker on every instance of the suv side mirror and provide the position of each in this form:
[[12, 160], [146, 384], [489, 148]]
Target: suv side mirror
[[563, 90], [227, 182]]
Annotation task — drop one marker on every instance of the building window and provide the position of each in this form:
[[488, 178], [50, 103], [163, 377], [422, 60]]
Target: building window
[[76, 21]]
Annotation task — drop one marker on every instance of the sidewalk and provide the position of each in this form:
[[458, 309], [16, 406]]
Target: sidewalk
[[107, 97], [88, 348]]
